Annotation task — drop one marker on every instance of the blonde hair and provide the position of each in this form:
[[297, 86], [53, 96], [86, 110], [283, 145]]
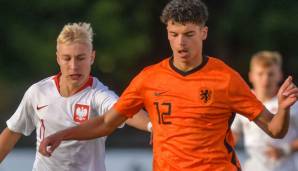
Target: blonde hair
[[76, 32], [266, 59]]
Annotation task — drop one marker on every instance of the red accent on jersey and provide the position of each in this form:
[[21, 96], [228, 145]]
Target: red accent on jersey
[[87, 84]]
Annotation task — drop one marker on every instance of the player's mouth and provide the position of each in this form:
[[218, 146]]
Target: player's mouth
[[183, 53], [75, 76]]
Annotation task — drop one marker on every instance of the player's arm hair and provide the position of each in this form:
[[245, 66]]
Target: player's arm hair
[[96, 127], [8, 139], [276, 125], [140, 121]]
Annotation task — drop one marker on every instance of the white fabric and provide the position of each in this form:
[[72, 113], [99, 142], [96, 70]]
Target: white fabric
[[256, 141], [57, 113]]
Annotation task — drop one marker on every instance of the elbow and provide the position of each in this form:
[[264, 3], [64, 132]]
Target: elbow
[[108, 131], [278, 134]]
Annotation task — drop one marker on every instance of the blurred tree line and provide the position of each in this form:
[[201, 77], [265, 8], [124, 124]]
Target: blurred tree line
[[129, 36]]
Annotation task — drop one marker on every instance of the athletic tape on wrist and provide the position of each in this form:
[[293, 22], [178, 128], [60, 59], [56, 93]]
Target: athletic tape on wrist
[[149, 126]]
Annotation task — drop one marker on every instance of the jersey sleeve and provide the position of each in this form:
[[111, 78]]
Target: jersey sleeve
[[103, 100], [131, 100], [241, 98], [22, 121]]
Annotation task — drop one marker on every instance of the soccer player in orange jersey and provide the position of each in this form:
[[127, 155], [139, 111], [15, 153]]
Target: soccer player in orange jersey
[[191, 100]]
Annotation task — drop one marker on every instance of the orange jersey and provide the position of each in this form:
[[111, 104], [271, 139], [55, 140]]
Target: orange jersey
[[191, 113]]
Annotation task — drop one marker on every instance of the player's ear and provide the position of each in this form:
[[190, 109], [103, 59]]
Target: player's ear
[[204, 32]]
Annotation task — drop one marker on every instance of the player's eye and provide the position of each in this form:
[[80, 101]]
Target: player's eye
[[80, 58], [173, 34], [66, 58], [189, 34]]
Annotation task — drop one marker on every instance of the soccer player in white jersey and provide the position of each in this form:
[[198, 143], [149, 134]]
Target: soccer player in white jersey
[[265, 153], [65, 100]]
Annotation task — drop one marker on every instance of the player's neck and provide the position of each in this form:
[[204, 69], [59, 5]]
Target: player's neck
[[267, 95], [67, 89], [187, 65]]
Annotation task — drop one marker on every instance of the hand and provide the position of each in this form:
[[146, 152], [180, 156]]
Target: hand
[[274, 152], [49, 144], [287, 94]]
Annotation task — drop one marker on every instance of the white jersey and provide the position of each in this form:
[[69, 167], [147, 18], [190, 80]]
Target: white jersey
[[44, 109], [256, 141]]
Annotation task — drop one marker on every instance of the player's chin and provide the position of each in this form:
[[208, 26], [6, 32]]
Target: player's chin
[[183, 58], [77, 82], [75, 77]]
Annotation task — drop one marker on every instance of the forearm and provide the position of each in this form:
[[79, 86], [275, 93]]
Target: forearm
[[93, 128], [279, 124], [287, 95], [276, 125], [90, 129], [139, 121], [8, 139]]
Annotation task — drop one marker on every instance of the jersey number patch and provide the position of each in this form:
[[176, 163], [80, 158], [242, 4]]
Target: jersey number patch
[[162, 115]]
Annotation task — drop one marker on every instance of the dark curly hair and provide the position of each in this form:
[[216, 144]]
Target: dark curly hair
[[184, 11]]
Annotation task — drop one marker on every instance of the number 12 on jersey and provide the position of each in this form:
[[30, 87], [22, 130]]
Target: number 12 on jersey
[[161, 115]]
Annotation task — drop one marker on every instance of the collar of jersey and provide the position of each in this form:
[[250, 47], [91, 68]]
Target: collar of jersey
[[87, 84], [183, 73]]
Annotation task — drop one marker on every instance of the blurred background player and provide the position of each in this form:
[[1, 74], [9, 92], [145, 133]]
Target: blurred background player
[[191, 100], [64, 100], [265, 153]]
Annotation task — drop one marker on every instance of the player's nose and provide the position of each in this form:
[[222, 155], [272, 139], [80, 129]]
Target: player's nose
[[74, 64]]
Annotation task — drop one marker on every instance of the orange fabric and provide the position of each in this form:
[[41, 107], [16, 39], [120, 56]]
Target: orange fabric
[[191, 114]]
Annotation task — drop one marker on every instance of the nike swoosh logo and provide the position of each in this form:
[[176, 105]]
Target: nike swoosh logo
[[40, 107], [160, 93]]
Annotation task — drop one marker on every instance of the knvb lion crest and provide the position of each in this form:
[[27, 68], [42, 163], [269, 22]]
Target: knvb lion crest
[[205, 95], [81, 113]]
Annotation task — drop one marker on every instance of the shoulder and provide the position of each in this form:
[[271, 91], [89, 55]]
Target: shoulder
[[42, 85], [155, 68], [99, 89], [98, 85], [221, 65], [220, 69]]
